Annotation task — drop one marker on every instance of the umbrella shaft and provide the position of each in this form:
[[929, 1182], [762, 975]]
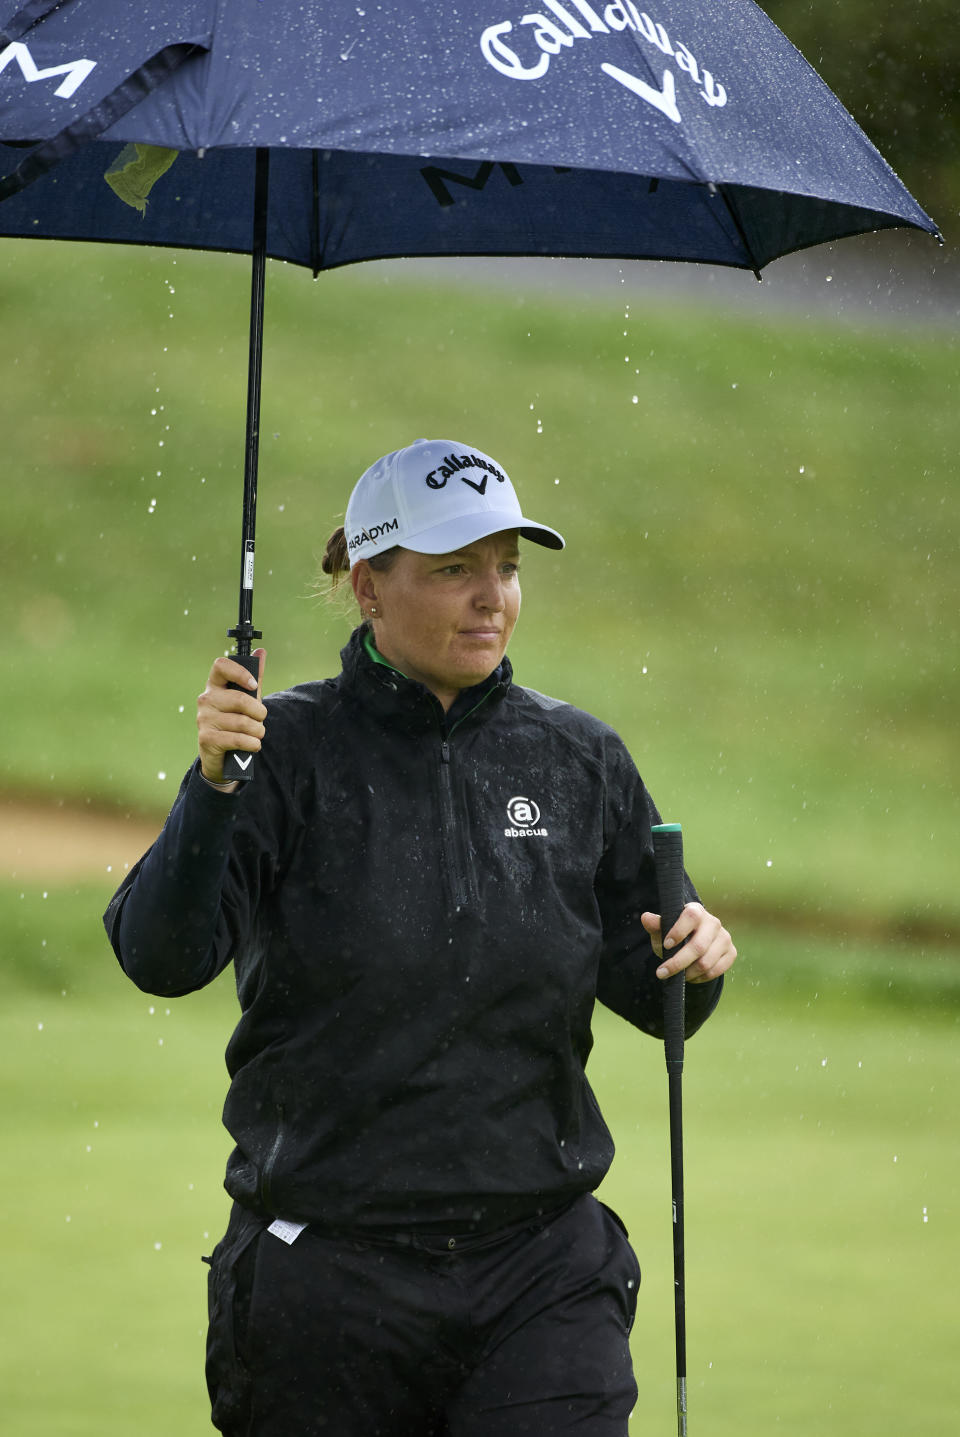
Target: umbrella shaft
[[245, 631]]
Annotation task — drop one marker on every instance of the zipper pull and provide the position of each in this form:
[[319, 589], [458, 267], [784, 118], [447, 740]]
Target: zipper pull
[[444, 751]]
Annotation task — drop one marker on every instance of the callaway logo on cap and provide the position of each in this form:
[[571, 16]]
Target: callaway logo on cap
[[434, 497]]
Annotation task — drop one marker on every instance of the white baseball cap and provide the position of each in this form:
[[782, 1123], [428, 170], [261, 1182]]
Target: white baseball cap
[[434, 497]]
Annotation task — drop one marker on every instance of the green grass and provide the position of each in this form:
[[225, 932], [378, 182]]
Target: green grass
[[759, 589], [819, 1133]]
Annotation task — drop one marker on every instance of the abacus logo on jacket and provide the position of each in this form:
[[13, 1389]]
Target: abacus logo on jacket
[[524, 815]]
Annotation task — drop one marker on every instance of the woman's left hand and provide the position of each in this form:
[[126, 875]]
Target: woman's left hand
[[707, 953]]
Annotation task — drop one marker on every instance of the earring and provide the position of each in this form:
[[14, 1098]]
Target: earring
[[373, 610]]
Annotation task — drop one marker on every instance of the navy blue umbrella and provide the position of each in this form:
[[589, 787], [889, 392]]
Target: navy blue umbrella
[[691, 131], [328, 131]]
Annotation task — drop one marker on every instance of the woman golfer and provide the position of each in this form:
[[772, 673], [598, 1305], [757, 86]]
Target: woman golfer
[[433, 876]]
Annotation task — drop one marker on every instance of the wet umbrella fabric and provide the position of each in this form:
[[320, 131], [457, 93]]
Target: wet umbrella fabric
[[689, 131]]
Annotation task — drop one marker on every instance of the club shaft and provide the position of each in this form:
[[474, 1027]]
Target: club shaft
[[675, 1089]]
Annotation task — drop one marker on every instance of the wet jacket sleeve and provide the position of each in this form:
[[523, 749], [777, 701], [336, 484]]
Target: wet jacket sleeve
[[176, 919], [626, 887]]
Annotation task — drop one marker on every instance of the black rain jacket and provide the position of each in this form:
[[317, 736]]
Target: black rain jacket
[[421, 909]]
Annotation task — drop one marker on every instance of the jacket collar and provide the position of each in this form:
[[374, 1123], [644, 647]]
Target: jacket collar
[[407, 704]]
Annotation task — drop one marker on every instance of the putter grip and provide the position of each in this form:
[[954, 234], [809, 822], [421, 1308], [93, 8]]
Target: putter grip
[[237, 765], [668, 861]]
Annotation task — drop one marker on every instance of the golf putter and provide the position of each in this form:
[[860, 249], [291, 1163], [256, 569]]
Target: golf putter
[[668, 861]]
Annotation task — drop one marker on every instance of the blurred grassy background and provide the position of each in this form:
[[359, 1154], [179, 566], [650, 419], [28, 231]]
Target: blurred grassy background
[[759, 592]]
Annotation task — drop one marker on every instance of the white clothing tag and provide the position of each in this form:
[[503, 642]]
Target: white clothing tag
[[287, 1232]]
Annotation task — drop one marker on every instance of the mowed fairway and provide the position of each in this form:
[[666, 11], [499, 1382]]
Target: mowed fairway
[[822, 1202]]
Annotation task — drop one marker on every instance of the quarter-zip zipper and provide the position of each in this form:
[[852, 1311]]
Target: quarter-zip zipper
[[453, 825], [451, 831]]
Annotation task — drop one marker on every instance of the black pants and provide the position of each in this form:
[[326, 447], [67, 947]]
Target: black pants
[[519, 1334]]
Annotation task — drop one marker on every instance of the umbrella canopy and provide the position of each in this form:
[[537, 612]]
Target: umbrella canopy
[[691, 130]]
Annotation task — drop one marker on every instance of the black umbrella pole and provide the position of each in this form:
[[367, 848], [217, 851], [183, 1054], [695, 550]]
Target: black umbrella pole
[[668, 859], [237, 765]]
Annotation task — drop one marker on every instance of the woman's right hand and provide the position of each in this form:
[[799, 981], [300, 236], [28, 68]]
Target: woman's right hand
[[227, 718]]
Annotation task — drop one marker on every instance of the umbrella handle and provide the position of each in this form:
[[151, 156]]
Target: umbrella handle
[[237, 765]]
